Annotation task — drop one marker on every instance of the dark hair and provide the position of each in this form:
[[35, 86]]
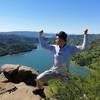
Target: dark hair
[[62, 35]]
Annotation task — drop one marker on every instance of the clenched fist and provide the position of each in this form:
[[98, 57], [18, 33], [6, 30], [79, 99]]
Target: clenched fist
[[40, 33], [86, 31]]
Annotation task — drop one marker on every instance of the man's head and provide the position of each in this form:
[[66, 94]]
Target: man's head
[[61, 38]]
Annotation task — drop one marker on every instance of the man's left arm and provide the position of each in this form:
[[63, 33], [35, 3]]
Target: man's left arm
[[84, 45]]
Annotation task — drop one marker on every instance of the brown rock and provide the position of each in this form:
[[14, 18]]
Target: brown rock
[[19, 73], [22, 91]]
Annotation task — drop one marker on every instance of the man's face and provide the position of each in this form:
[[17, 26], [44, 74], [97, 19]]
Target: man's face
[[59, 41]]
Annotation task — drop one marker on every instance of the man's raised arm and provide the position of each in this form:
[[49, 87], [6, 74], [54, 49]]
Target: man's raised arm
[[43, 43], [84, 45]]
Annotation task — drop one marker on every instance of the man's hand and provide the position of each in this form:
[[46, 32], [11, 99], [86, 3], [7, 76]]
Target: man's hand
[[86, 31], [40, 33]]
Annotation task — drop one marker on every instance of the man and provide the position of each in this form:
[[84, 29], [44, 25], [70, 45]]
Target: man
[[62, 57]]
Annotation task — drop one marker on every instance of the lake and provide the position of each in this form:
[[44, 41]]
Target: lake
[[39, 59]]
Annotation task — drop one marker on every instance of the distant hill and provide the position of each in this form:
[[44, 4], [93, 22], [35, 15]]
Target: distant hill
[[28, 33], [51, 35], [90, 36]]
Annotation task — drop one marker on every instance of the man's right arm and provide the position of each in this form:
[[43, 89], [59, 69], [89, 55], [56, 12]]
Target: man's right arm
[[43, 43]]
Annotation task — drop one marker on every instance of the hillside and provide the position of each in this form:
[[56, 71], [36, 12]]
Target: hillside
[[13, 44]]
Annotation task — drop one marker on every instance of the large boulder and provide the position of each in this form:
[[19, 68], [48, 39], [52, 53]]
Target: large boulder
[[19, 73]]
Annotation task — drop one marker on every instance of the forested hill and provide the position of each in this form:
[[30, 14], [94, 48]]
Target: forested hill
[[12, 44], [77, 39]]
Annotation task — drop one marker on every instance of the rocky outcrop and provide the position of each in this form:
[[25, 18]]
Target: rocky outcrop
[[19, 91], [17, 83], [19, 73]]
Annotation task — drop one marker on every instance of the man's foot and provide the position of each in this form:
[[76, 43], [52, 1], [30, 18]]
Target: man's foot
[[39, 92]]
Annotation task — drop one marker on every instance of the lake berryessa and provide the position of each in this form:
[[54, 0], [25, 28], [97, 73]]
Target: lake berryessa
[[39, 59]]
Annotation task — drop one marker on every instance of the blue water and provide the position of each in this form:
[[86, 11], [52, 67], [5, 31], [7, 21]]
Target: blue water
[[39, 59]]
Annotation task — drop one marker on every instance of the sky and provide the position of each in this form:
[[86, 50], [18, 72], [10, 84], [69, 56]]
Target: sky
[[71, 16]]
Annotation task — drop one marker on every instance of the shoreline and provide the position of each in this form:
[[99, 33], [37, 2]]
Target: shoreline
[[14, 53]]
